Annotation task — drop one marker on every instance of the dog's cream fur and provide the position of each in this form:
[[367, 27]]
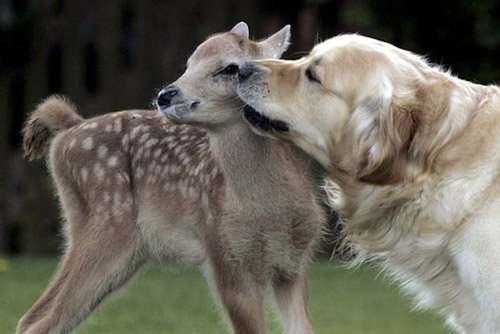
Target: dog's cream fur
[[416, 154]]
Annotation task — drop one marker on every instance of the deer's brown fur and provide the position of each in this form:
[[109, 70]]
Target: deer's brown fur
[[135, 187]]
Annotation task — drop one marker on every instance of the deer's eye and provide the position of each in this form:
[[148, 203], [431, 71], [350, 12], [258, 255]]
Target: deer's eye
[[230, 69], [311, 76]]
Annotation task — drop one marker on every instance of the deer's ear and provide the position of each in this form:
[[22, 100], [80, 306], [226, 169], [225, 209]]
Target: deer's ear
[[241, 29], [276, 44]]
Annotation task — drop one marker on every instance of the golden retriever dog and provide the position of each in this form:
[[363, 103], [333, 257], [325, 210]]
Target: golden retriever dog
[[415, 152]]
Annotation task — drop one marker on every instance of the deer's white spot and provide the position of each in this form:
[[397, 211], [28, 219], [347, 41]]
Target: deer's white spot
[[119, 178], [171, 145], [101, 151], [128, 201], [144, 137], [106, 215], [116, 204], [125, 141], [191, 191], [99, 172], [92, 125], [87, 143], [138, 154], [164, 158], [135, 131], [113, 161], [182, 155], [209, 218], [157, 170], [118, 125], [151, 167], [169, 186], [165, 171], [186, 161], [85, 173], [139, 172], [202, 164], [177, 149], [196, 171], [205, 204], [157, 153], [214, 173], [168, 168], [183, 190], [151, 142]]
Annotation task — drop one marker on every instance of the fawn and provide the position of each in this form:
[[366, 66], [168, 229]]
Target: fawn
[[136, 188]]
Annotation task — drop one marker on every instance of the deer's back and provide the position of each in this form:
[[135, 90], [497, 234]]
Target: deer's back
[[137, 163]]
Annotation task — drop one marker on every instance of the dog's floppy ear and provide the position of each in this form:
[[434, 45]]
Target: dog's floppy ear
[[384, 127], [241, 29], [277, 43]]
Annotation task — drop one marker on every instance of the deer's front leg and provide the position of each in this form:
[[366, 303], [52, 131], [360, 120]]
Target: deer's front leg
[[239, 293]]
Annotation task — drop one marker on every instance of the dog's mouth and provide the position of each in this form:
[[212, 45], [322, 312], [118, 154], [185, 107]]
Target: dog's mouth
[[262, 122]]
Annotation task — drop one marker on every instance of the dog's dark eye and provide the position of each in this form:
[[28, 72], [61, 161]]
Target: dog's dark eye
[[229, 70], [311, 75]]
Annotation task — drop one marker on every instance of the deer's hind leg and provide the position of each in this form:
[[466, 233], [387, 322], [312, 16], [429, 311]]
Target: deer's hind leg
[[102, 254], [292, 300]]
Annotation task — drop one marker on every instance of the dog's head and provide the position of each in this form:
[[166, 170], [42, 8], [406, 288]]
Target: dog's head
[[352, 103], [206, 94]]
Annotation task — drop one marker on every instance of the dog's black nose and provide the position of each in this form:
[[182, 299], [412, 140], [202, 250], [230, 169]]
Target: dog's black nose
[[246, 70], [166, 95]]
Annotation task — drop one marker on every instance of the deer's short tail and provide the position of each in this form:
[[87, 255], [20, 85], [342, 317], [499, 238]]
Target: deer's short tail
[[54, 114]]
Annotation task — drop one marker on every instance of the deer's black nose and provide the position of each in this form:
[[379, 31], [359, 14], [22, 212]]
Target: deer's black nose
[[246, 70], [166, 95]]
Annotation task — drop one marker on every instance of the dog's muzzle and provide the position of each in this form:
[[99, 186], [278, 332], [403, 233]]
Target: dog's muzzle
[[262, 122]]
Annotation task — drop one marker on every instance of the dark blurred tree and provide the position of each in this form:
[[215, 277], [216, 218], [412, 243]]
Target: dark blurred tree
[[16, 29], [114, 54], [461, 35]]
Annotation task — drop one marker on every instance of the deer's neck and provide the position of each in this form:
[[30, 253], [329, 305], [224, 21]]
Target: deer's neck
[[250, 163]]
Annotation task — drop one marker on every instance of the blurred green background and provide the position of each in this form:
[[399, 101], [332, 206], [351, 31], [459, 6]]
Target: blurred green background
[[109, 55], [160, 301]]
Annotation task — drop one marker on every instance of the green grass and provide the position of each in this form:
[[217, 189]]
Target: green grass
[[160, 301]]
